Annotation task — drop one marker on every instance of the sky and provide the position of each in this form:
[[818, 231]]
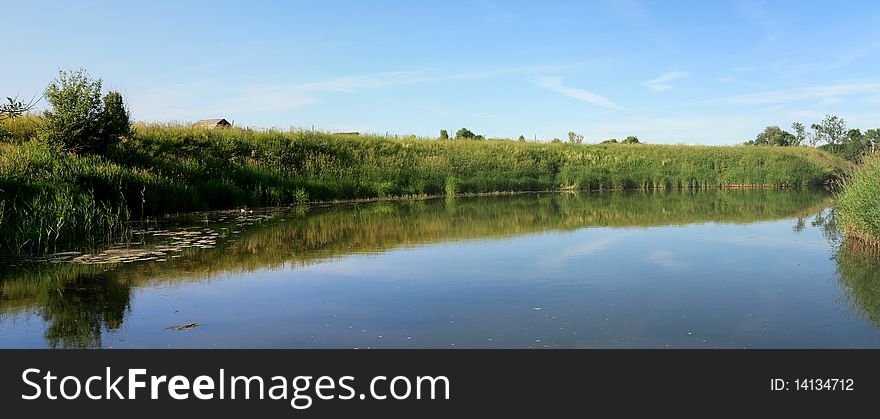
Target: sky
[[691, 72]]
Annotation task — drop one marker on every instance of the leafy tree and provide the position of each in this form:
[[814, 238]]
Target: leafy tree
[[521, 139], [575, 138], [464, 134], [556, 141], [75, 118], [115, 119], [800, 133], [610, 141], [774, 136], [79, 119], [832, 130], [444, 135], [632, 139], [872, 136], [855, 144]]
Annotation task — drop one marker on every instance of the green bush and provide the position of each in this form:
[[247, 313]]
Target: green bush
[[79, 119]]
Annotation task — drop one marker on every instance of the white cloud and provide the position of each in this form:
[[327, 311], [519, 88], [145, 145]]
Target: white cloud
[[828, 92], [661, 83], [555, 84]]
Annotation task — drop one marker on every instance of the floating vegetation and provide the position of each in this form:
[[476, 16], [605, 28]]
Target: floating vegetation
[[184, 327], [161, 244]]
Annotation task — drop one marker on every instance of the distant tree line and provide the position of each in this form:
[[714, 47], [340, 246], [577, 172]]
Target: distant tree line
[[573, 138], [831, 133]]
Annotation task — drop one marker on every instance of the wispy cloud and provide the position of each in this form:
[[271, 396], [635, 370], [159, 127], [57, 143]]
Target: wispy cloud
[[662, 83], [854, 55], [823, 93], [197, 99], [555, 84]]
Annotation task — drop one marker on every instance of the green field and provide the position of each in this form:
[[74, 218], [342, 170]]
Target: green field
[[52, 199]]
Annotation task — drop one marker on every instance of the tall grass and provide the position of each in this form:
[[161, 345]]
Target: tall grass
[[858, 202], [52, 199]]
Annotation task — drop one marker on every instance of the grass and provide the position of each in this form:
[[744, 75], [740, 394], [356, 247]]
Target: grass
[[53, 200], [857, 207]]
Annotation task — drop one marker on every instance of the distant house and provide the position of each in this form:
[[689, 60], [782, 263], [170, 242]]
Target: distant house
[[212, 123]]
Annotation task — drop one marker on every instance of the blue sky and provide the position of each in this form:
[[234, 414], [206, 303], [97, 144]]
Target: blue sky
[[708, 72]]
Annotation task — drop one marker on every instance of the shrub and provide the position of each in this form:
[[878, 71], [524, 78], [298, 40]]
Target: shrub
[[115, 120], [80, 120]]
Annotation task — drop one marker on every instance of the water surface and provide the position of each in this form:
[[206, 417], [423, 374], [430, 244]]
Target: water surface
[[674, 269]]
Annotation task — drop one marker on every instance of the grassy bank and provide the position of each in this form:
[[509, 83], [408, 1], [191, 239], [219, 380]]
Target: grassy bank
[[52, 199], [858, 203]]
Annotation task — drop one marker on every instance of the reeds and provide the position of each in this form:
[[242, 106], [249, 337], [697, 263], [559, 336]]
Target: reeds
[[857, 207]]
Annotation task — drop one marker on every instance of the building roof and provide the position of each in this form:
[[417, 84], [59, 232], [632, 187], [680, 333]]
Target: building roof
[[211, 122]]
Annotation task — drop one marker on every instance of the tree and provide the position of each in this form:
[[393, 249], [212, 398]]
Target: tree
[[115, 120], [444, 135], [610, 141], [832, 130], [575, 138], [556, 141], [521, 139], [855, 145], [79, 119], [632, 139], [774, 136], [800, 133], [74, 119], [872, 136], [464, 134]]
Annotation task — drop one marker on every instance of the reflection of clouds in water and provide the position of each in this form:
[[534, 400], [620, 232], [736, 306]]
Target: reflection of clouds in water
[[589, 248], [666, 259], [775, 242], [579, 251]]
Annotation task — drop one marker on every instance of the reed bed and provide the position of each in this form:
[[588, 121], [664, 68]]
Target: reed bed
[[857, 206]]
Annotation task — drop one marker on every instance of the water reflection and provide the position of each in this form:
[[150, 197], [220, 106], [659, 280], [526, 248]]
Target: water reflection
[[80, 309], [79, 304], [858, 269]]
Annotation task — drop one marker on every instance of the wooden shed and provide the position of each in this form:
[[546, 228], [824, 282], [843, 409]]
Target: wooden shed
[[212, 123]]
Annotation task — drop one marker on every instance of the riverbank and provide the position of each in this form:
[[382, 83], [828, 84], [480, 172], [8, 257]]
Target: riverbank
[[52, 200], [857, 206]]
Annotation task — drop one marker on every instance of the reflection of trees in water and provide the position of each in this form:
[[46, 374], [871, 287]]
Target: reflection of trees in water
[[858, 268], [825, 221], [78, 310], [80, 302]]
